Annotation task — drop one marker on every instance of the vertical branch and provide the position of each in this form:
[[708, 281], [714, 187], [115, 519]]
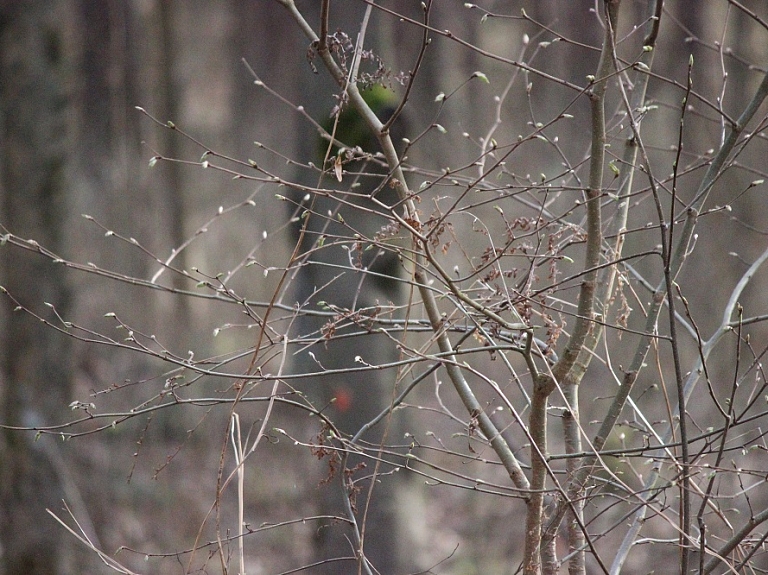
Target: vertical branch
[[593, 193], [605, 286], [685, 515], [543, 386], [728, 421], [567, 370]]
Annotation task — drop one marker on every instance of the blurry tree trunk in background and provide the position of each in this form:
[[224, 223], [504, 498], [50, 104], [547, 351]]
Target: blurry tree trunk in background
[[352, 401], [35, 98], [128, 59], [173, 195], [349, 402]]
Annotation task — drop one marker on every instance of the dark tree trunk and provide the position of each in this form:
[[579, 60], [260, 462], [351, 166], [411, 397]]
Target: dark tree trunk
[[34, 99]]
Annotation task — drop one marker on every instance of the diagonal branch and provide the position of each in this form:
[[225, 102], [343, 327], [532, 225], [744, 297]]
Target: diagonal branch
[[463, 389]]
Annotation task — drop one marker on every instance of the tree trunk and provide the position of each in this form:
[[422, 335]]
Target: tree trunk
[[35, 363]]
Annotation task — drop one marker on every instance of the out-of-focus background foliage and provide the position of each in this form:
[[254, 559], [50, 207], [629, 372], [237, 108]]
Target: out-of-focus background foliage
[[72, 142]]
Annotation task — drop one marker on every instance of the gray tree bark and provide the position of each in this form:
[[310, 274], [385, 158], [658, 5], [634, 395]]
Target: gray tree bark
[[35, 361]]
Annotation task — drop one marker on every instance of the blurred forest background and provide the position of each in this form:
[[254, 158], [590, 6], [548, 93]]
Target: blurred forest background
[[72, 142]]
